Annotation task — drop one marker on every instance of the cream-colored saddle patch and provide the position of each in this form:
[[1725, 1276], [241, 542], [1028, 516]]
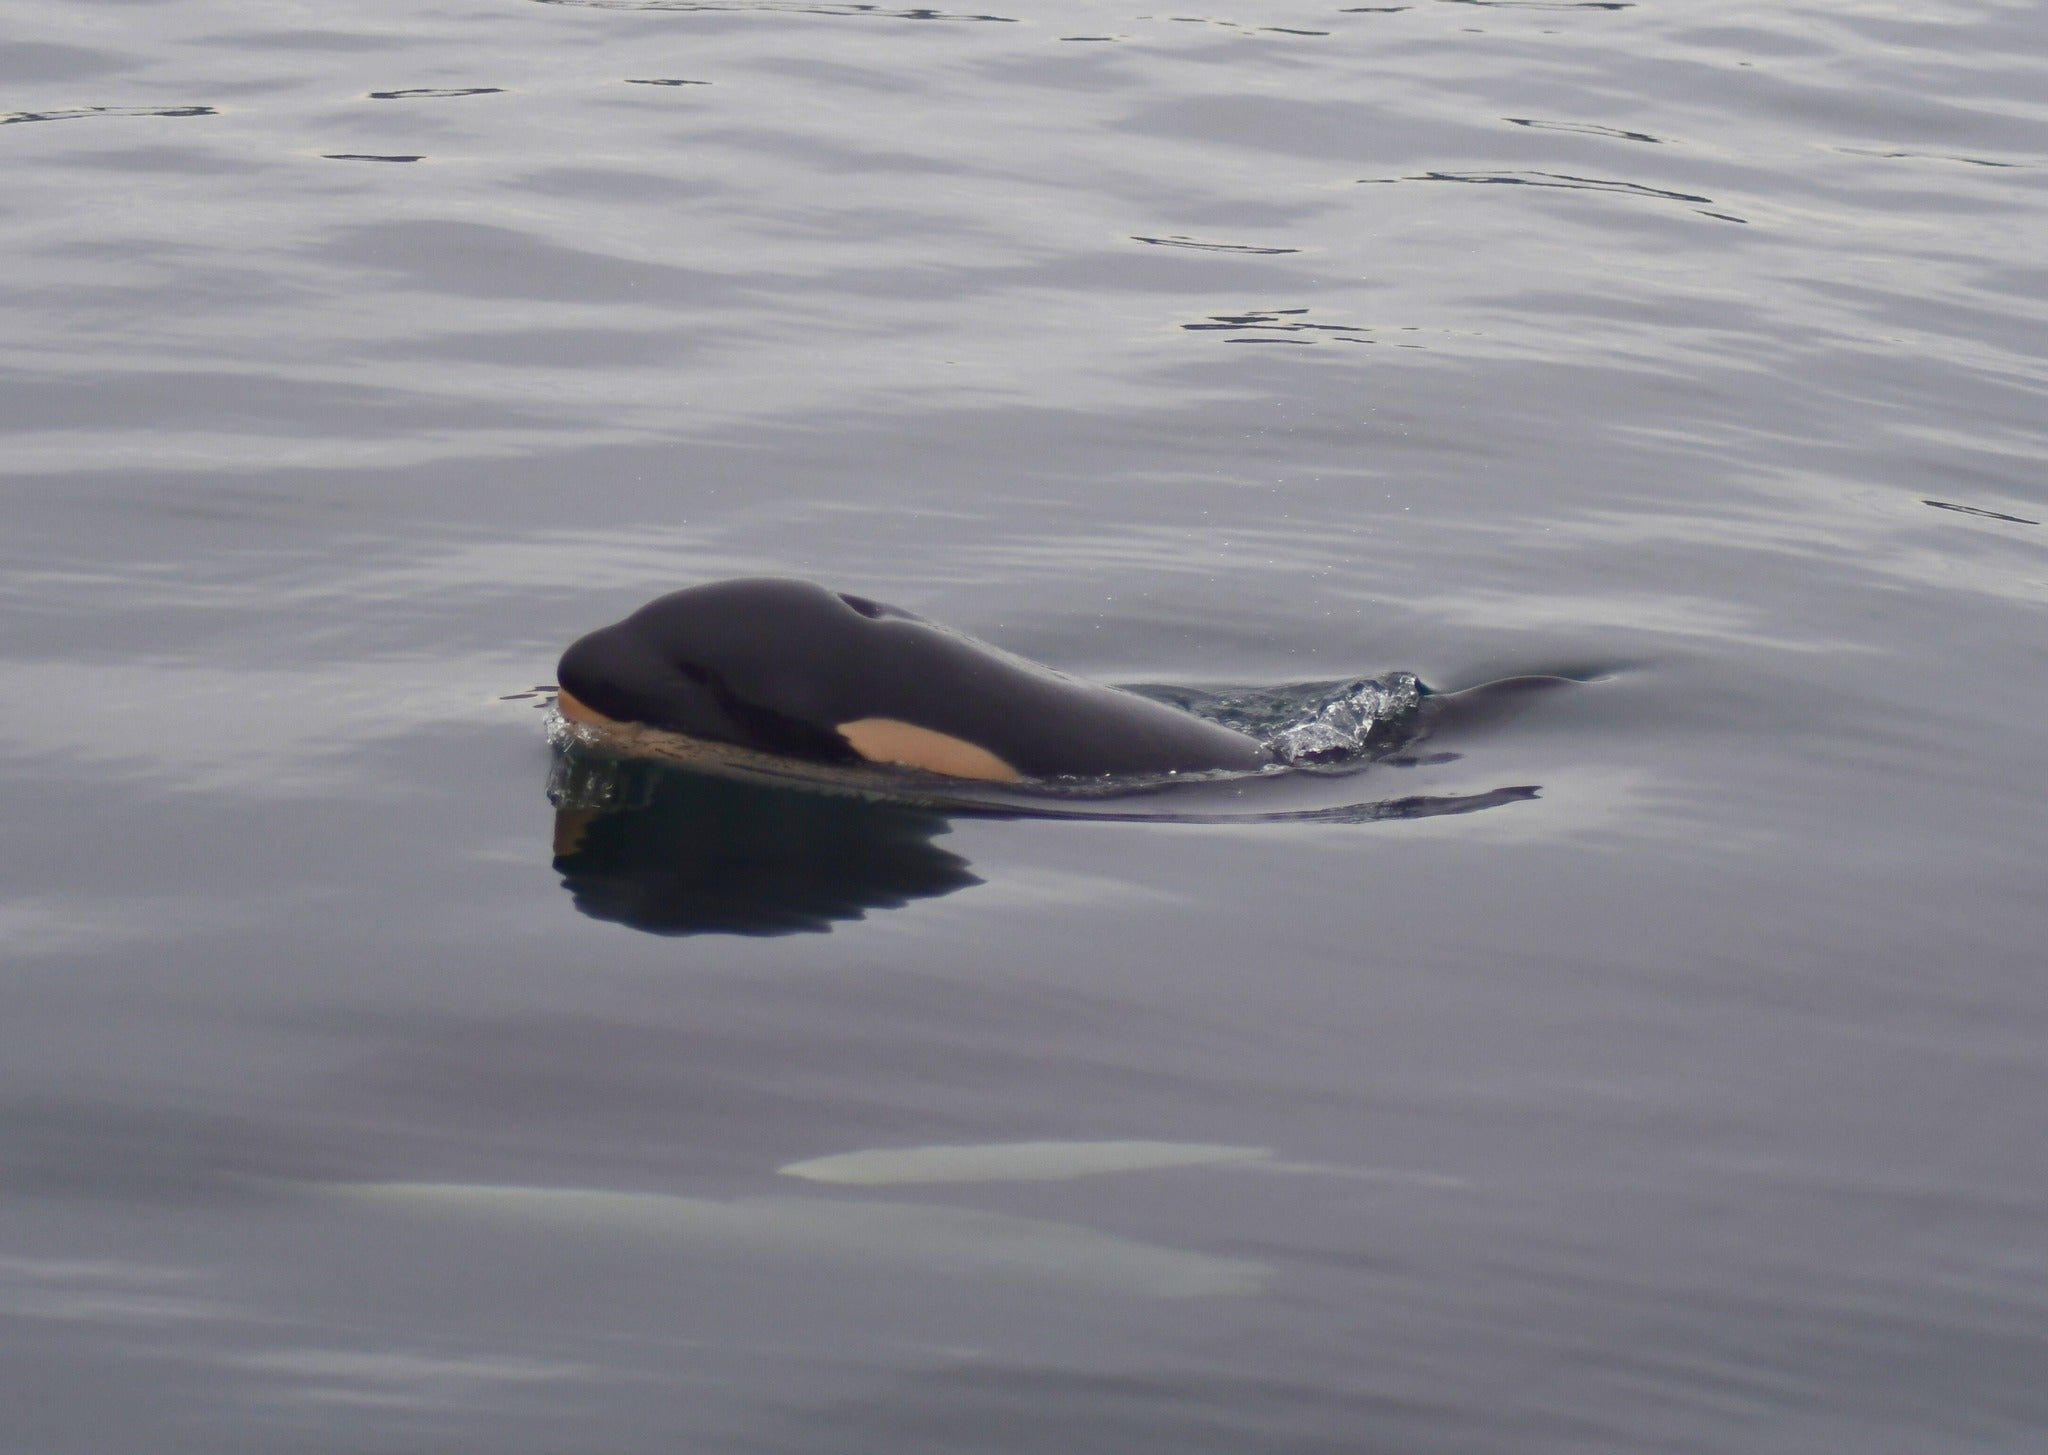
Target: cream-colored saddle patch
[[885, 740]]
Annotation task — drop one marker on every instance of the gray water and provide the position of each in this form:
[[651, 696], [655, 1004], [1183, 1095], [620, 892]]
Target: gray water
[[357, 358]]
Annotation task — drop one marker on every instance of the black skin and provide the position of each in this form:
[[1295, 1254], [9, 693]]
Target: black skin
[[777, 665]]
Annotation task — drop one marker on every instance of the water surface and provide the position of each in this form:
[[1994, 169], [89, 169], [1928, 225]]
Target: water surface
[[356, 361]]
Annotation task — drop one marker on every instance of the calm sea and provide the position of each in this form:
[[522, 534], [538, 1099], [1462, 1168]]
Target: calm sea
[[356, 358]]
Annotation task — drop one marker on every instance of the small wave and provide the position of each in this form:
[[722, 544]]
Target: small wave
[[1268, 325], [1316, 725], [1934, 157], [1563, 181], [590, 784], [1583, 128], [74, 113], [779, 7], [431, 92], [1210, 247], [1241, 27], [1979, 510], [1546, 4]]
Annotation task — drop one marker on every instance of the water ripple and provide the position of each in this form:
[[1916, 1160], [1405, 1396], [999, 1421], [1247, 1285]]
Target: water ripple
[[74, 113], [1326, 725], [1583, 128], [1266, 325], [778, 7], [1935, 157], [418, 92], [1545, 4], [1562, 181], [1979, 510], [1240, 27], [1210, 247]]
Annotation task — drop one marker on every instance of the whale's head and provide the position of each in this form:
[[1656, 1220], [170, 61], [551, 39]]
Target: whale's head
[[756, 663]]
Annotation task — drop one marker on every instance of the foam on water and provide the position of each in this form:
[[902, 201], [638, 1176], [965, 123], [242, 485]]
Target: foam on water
[[1323, 725]]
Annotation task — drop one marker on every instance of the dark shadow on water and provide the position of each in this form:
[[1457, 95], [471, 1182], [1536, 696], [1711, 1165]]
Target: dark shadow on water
[[686, 854]]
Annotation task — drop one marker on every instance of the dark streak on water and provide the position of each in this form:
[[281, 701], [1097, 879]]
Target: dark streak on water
[[74, 113], [436, 91], [1546, 4], [1260, 326], [1584, 128], [1558, 180], [1213, 247], [351, 1102], [777, 7], [1980, 511]]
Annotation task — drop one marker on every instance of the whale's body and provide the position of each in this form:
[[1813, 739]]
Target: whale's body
[[798, 671]]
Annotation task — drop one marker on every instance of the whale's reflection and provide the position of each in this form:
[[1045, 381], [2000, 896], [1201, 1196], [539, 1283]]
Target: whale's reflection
[[673, 852]]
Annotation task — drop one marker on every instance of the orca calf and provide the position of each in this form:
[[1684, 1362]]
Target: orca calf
[[794, 670]]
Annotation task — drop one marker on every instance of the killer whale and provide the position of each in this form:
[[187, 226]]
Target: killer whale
[[798, 671]]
